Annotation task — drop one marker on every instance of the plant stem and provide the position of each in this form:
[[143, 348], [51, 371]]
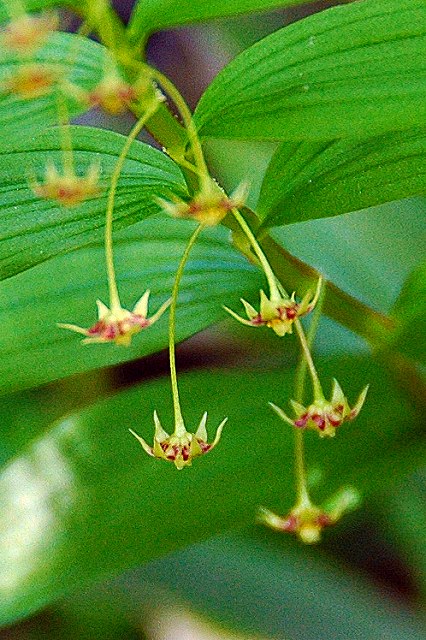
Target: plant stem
[[65, 135], [318, 392], [179, 424], [109, 254], [270, 276], [303, 499]]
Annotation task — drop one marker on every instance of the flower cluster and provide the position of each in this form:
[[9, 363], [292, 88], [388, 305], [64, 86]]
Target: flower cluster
[[118, 325], [324, 416], [181, 447], [27, 33], [67, 188], [307, 521]]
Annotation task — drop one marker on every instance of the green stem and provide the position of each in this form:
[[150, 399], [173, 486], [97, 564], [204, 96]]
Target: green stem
[[303, 498], [318, 392], [179, 423], [65, 135], [109, 253], [270, 276]]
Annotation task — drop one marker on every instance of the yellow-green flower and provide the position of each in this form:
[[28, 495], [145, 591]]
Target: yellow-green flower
[[181, 447]]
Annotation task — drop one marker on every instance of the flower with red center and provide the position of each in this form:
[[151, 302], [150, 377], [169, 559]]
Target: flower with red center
[[25, 34], [118, 325], [113, 94], [181, 447], [32, 80], [324, 416], [307, 520], [278, 312], [209, 206], [67, 188]]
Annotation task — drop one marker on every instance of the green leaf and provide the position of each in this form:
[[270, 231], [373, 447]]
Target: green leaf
[[84, 502], [36, 5], [352, 71], [410, 313], [33, 230], [33, 350], [314, 180], [264, 584], [154, 15], [80, 60]]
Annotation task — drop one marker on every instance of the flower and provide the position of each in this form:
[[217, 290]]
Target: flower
[[181, 447], [25, 34], [322, 415], [307, 520], [32, 80], [278, 312], [209, 206], [118, 325], [68, 189]]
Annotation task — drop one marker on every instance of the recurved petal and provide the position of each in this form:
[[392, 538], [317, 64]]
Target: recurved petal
[[219, 432], [159, 435], [201, 432], [281, 413], [144, 444], [360, 402]]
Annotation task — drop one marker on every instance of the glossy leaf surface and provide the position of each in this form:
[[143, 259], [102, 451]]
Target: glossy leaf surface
[[313, 180], [83, 501], [352, 71], [33, 230]]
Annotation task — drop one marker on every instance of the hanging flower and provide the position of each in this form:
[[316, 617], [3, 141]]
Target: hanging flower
[[67, 188], [307, 520], [118, 325], [322, 415], [278, 312], [27, 33], [181, 447], [32, 80], [209, 206]]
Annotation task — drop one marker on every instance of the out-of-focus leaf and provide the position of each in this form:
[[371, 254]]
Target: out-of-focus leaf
[[353, 71], [33, 230], [79, 60], [410, 311], [36, 5], [315, 180], [85, 502], [154, 15], [33, 350], [260, 584]]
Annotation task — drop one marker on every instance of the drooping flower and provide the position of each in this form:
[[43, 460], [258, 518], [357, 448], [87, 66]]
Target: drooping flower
[[307, 520], [25, 34], [32, 80], [324, 416], [209, 206], [67, 188], [118, 325], [181, 447], [113, 94], [277, 313]]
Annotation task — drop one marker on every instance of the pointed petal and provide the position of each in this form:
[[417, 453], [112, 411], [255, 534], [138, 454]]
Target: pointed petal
[[145, 446], [141, 307], [268, 309], [337, 395], [317, 292], [103, 310], [298, 408], [72, 327], [219, 432], [360, 402], [195, 449], [95, 340], [201, 432], [160, 311], [160, 435], [51, 173], [93, 173], [237, 317], [240, 194], [281, 413], [250, 311]]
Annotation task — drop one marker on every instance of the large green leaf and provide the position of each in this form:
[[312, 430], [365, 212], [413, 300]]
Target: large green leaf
[[33, 230], [154, 15], [352, 71], [314, 180], [83, 501], [33, 350], [263, 584], [82, 62]]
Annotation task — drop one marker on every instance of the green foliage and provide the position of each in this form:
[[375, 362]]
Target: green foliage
[[312, 180], [64, 512], [79, 61], [410, 311], [154, 15], [353, 71], [37, 5], [34, 230]]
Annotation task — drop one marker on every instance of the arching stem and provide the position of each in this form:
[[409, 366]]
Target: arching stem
[[179, 423]]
